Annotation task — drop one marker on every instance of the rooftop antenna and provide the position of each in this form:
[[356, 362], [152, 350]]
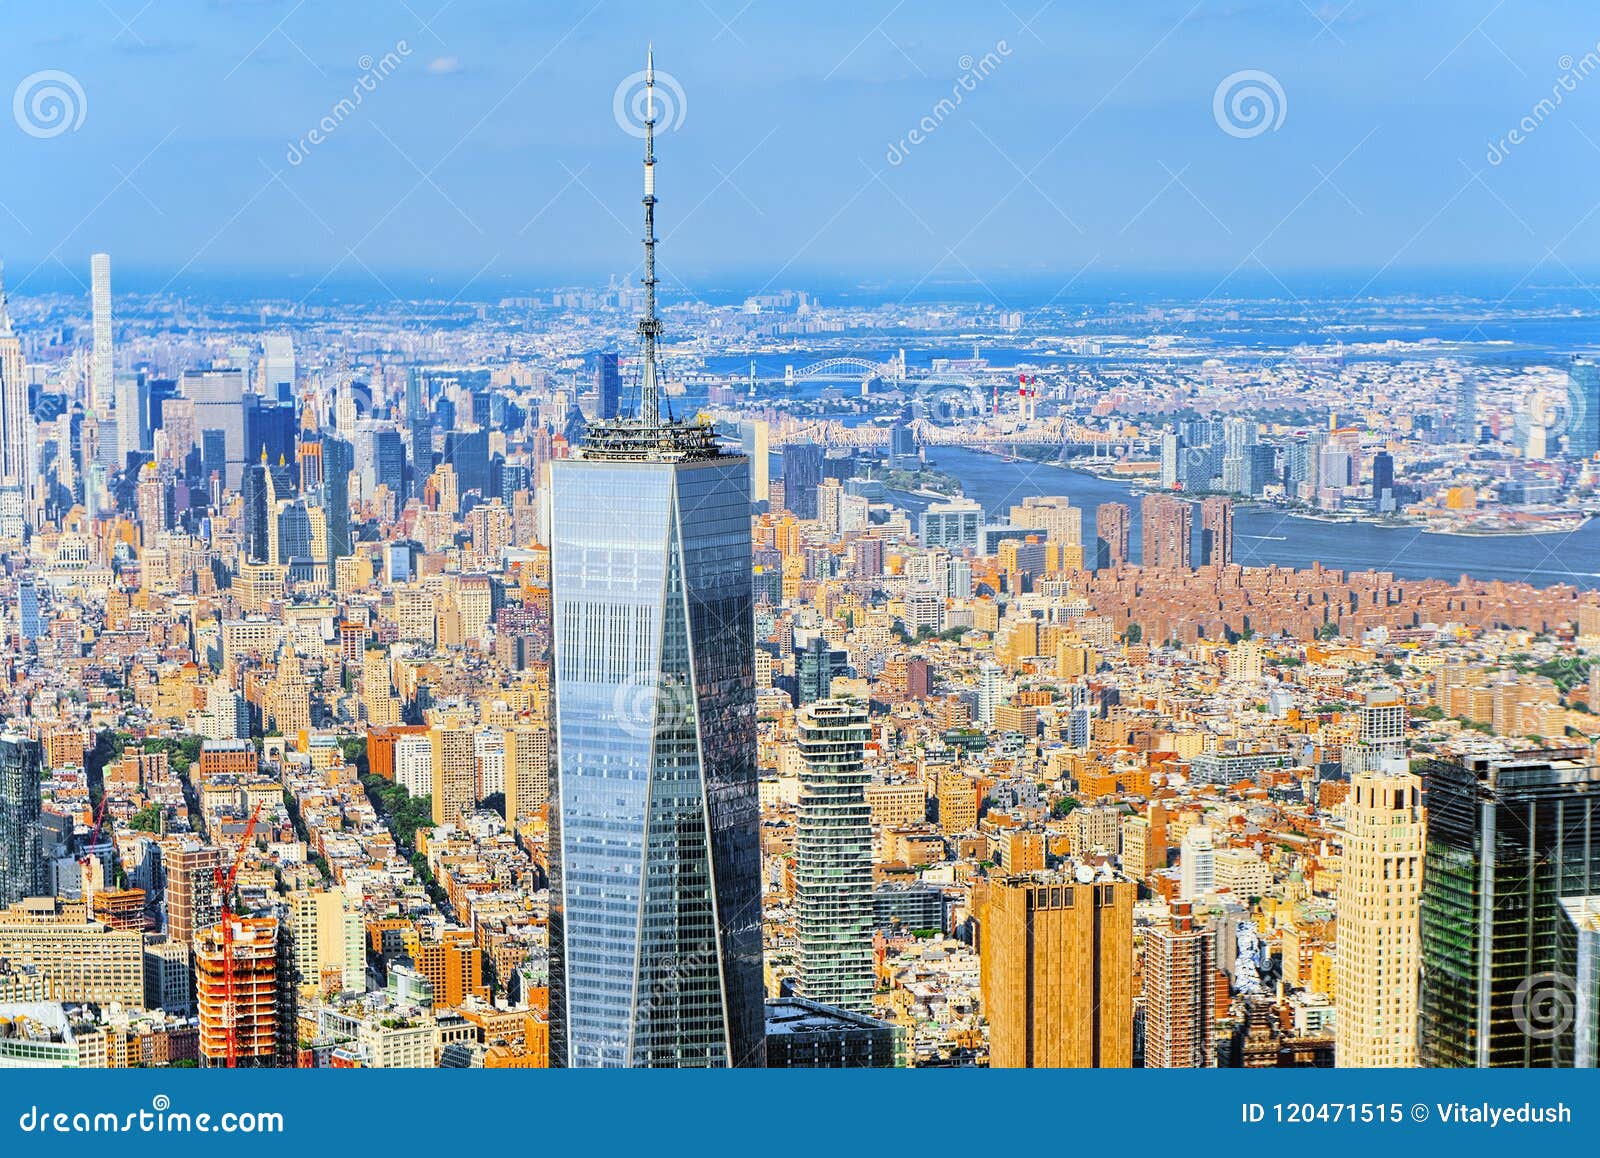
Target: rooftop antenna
[[649, 324]]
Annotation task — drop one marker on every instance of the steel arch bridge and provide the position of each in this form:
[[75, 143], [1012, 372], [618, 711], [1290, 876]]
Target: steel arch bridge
[[894, 369]]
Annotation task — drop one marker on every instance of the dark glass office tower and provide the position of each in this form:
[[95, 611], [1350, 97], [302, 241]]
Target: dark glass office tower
[[607, 385], [802, 475], [655, 922], [338, 460], [389, 462], [1510, 840], [21, 838]]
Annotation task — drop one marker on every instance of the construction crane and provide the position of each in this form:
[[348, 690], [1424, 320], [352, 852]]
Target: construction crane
[[94, 839], [224, 891]]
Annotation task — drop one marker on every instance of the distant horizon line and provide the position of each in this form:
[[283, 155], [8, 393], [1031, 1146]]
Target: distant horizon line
[[49, 277]]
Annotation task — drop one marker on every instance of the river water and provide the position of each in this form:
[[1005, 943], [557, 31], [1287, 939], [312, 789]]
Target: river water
[[1264, 536]]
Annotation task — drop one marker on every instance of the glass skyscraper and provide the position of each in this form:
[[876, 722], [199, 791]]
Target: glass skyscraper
[[656, 907], [655, 921], [1583, 408], [1510, 841], [21, 838], [833, 858]]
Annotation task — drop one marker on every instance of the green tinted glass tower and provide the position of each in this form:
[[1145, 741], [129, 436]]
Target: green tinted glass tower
[[1511, 840]]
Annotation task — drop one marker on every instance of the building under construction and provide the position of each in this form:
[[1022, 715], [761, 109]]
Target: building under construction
[[257, 1005]]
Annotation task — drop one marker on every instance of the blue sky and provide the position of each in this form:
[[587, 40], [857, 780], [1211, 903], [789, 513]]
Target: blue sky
[[1090, 149]]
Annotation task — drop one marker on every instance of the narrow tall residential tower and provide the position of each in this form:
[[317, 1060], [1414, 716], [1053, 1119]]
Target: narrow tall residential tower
[[100, 368], [833, 857]]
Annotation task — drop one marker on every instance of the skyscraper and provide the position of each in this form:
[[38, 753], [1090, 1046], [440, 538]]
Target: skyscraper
[[338, 460], [219, 405], [607, 385], [16, 435], [1380, 947], [1216, 532], [1111, 534], [753, 442], [1583, 408], [1466, 416], [1168, 528], [1180, 979], [100, 366], [22, 869], [655, 922], [1509, 839], [1057, 969], [833, 858], [802, 475], [277, 367]]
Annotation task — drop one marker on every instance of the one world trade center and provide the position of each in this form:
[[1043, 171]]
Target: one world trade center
[[655, 921]]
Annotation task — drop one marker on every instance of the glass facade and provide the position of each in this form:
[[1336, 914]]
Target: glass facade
[[21, 839], [656, 909], [1583, 409], [1510, 841], [833, 858]]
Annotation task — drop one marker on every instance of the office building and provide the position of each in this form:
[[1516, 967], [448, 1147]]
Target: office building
[[953, 524], [1583, 408], [16, 420], [816, 663], [1180, 993], [1056, 955], [1380, 940], [330, 954], [278, 367], [753, 441], [1466, 413], [219, 415], [607, 386], [338, 460], [803, 1034], [101, 373], [833, 858], [655, 922], [82, 959], [802, 475], [22, 866], [1509, 840]]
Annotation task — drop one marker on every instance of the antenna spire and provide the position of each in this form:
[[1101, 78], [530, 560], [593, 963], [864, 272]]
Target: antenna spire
[[5, 309], [649, 324]]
